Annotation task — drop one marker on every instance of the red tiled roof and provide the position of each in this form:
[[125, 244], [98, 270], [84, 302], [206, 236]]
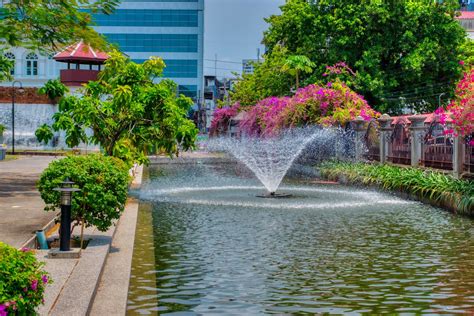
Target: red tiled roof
[[81, 52], [466, 15]]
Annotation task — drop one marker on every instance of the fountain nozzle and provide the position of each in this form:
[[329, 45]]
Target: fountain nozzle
[[274, 195]]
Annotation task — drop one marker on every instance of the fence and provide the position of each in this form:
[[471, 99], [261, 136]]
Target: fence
[[399, 144], [372, 141], [437, 150], [419, 140]]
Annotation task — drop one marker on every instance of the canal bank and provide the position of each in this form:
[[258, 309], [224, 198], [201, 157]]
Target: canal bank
[[97, 282]]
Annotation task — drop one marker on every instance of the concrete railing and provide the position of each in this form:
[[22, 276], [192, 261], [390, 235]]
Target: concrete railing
[[452, 153]]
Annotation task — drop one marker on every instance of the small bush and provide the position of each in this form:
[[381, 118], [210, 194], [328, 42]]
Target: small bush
[[22, 281], [429, 184], [2, 129], [103, 182]]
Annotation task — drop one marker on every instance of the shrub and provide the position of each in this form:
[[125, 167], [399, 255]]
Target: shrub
[[221, 118], [103, 182], [462, 108], [22, 281], [2, 129], [433, 185], [54, 89], [334, 104]]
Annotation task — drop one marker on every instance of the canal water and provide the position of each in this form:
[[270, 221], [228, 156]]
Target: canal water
[[206, 244]]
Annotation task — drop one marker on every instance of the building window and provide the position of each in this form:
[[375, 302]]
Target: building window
[[170, 43], [11, 56], [31, 64]]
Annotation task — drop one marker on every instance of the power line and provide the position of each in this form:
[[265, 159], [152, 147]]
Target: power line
[[224, 61]]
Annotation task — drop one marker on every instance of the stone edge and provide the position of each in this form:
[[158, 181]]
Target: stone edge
[[110, 297]]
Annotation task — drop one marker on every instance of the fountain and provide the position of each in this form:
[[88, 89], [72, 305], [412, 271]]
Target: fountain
[[270, 158]]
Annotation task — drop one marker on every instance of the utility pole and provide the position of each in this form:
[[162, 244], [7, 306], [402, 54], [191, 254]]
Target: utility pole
[[225, 90], [215, 66]]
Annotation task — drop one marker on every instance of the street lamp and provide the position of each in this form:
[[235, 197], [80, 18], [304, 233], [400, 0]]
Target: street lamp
[[439, 98], [66, 190], [13, 112]]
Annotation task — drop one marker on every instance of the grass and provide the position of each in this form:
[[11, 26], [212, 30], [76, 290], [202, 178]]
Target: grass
[[10, 157], [425, 184]]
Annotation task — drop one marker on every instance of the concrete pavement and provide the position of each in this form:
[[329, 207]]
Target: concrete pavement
[[21, 207]]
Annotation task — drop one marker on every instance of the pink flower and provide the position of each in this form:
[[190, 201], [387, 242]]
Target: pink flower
[[24, 249], [329, 84], [461, 62], [34, 285], [471, 143], [3, 310], [44, 278]]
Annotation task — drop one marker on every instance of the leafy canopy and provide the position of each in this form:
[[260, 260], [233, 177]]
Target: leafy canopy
[[267, 80], [296, 64], [402, 48], [129, 114]]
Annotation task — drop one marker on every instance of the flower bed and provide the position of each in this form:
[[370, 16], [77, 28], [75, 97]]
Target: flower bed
[[22, 281], [436, 187]]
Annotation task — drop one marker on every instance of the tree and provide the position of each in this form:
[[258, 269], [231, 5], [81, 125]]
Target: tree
[[47, 25], [129, 114], [296, 64], [267, 80], [398, 49]]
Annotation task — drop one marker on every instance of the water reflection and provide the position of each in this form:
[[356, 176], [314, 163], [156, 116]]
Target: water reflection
[[368, 253]]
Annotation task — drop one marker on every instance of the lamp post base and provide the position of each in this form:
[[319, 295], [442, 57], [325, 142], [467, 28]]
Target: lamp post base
[[74, 253]]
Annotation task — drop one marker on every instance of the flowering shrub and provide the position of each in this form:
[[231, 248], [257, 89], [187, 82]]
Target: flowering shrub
[[22, 281], [462, 108], [103, 181], [334, 104], [222, 116]]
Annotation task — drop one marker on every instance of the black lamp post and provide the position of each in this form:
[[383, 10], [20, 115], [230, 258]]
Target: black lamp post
[[66, 190], [13, 112]]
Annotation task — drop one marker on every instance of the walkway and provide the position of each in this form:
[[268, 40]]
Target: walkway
[[21, 207]]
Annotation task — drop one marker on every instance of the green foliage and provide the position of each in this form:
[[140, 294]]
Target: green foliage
[[22, 281], [409, 49], [5, 67], [129, 114], [296, 64], [44, 133], [2, 129], [48, 25], [429, 184], [267, 80], [103, 182], [54, 89]]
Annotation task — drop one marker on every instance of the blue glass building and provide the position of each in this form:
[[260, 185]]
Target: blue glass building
[[170, 29]]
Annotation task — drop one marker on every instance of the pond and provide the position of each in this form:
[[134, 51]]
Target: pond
[[206, 244]]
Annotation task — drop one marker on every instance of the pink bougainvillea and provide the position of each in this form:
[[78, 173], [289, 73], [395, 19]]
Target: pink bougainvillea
[[333, 104], [222, 116], [461, 109]]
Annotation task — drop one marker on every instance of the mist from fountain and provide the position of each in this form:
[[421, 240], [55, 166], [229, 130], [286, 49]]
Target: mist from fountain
[[270, 158]]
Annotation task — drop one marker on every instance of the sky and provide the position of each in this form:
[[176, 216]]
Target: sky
[[233, 29]]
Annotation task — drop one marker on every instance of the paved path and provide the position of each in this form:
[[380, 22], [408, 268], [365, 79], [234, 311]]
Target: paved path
[[21, 207]]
